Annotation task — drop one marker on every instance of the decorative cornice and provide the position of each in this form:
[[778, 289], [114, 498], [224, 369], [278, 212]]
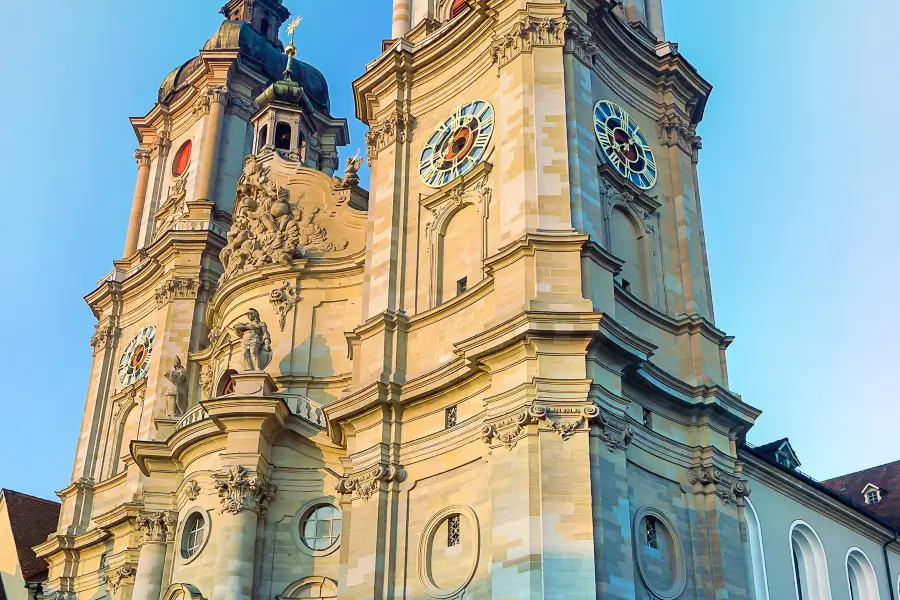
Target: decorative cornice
[[675, 129], [365, 485], [508, 430], [180, 288], [156, 527], [239, 491], [283, 300], [580, 42], [710, 479], [397, 127], [565, 420], [528, 33], [119, 577]]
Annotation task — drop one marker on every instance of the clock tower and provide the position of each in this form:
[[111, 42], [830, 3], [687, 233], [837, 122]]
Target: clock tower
[[494, 374]]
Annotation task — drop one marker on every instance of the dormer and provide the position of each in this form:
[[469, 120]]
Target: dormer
[[872, 494], [781, 452]]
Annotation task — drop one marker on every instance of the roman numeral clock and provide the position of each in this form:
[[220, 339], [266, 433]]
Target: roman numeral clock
[[458, 144], [135, 361], [624, 145]]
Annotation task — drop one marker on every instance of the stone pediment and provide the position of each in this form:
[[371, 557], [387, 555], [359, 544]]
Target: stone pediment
[[283, 213]]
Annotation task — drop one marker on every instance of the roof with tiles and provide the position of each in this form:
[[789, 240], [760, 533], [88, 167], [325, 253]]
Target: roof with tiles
[[31, 520], [885, 477]]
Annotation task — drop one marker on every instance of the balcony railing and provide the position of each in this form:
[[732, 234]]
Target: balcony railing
[[299, 405]]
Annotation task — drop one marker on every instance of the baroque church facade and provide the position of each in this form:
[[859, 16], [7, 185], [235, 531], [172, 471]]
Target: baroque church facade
[[494, 374]]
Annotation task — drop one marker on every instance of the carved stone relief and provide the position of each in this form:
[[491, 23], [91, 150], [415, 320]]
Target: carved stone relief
[[284, 299], [156, 527], [580, 42], [676, 130], [256, 342], [105, 336], [177, 375], [731, 489], [365, 485], [192, 490], [238, 491], [267, 229], [179, 288], [119, 577], [397, 127], [613, 431], [528, 33]]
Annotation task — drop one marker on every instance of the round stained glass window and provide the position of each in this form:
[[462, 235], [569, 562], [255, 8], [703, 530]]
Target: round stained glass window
[[182, 159], [320, 527]]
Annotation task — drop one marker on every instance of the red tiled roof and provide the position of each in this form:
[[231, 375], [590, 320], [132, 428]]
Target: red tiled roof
[[32, 520], [886, 477]]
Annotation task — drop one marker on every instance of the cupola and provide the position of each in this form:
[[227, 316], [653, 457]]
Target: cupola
[[265, 16]]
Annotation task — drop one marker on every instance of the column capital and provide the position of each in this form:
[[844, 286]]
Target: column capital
[[143, 157], [156, 527], [240, 490]]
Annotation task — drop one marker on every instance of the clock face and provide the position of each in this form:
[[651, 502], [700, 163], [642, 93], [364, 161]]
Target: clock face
[[624, 145], [458, 144], [135, 361]]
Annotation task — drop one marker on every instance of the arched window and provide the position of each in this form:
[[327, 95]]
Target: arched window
[[756, 556], [861, 576], [263, 138], [810, 565], [627, 245], [283, 136]]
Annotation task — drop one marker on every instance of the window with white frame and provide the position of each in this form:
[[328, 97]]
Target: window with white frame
[[873, 496]]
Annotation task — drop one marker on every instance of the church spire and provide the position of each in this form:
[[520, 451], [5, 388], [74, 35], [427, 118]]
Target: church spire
[[265, 16]]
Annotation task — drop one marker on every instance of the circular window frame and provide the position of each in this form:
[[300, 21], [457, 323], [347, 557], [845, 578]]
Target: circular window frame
[[677, 587], [189, 144], [425, 542], [207, 533], [298, 518]]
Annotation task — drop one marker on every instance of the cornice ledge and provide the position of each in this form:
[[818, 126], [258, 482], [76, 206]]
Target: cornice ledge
[[271, 412], [385, 321], [144, 452], [54, 543], [547, 241], [468, 298], [357, 402], [757, 469], [680, 325], [118, 515], [712, 396], [602, 257]]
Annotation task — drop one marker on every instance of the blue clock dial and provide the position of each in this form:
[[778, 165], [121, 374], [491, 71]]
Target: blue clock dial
[[624, 145], [135, 361], [458, 144]]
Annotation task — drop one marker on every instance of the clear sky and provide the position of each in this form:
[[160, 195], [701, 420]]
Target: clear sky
[[797, 175]]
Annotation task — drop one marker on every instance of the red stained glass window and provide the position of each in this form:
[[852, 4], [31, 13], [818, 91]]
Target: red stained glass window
[[182, 159]]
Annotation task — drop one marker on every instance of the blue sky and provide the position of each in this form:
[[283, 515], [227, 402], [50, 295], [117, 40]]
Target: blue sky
[[797, 176]]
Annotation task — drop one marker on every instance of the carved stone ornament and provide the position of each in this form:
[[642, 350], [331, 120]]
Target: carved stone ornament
[[580, 42], [177, 375], [731, 489], [192, 490], [206, 382], [365, 485], [238, 491], [284, 299], [105, 336], [122, 575], [143, 157], [266, 228], [676, 130], [528, 33], [509, 430], [611, 197], [215, 94], [351, 173], [565, 421], [396, 128], [177, 288], [156, 527], [613, 431]]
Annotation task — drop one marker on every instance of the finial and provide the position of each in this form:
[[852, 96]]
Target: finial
[[291, 49]]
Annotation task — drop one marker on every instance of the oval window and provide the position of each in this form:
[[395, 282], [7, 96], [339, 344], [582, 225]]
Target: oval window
[[193, 535], [320, 527], [182, 159]]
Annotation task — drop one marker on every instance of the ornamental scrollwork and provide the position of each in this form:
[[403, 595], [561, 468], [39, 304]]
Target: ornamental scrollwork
[[612, 431], [365, 485], [283, 300], [730, 488], [177, 288], [676, 130], [611, 197], [238, 491], [105, 336], [156, 527], [580, 42], [528, 33], [510, 430], [565, 421], [119, 577], [192, 490]]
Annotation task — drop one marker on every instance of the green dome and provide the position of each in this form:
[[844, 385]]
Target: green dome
[[260, 54]]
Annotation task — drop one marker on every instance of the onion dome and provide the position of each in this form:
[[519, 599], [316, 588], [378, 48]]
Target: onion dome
[[260, 54], [458, 7]]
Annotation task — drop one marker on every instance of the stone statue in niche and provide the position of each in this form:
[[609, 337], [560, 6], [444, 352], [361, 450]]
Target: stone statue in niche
[[177, 401], [266, 228], [255, 341]]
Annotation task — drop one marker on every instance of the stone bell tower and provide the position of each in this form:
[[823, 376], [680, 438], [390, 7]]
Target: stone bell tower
[[539, 387]]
